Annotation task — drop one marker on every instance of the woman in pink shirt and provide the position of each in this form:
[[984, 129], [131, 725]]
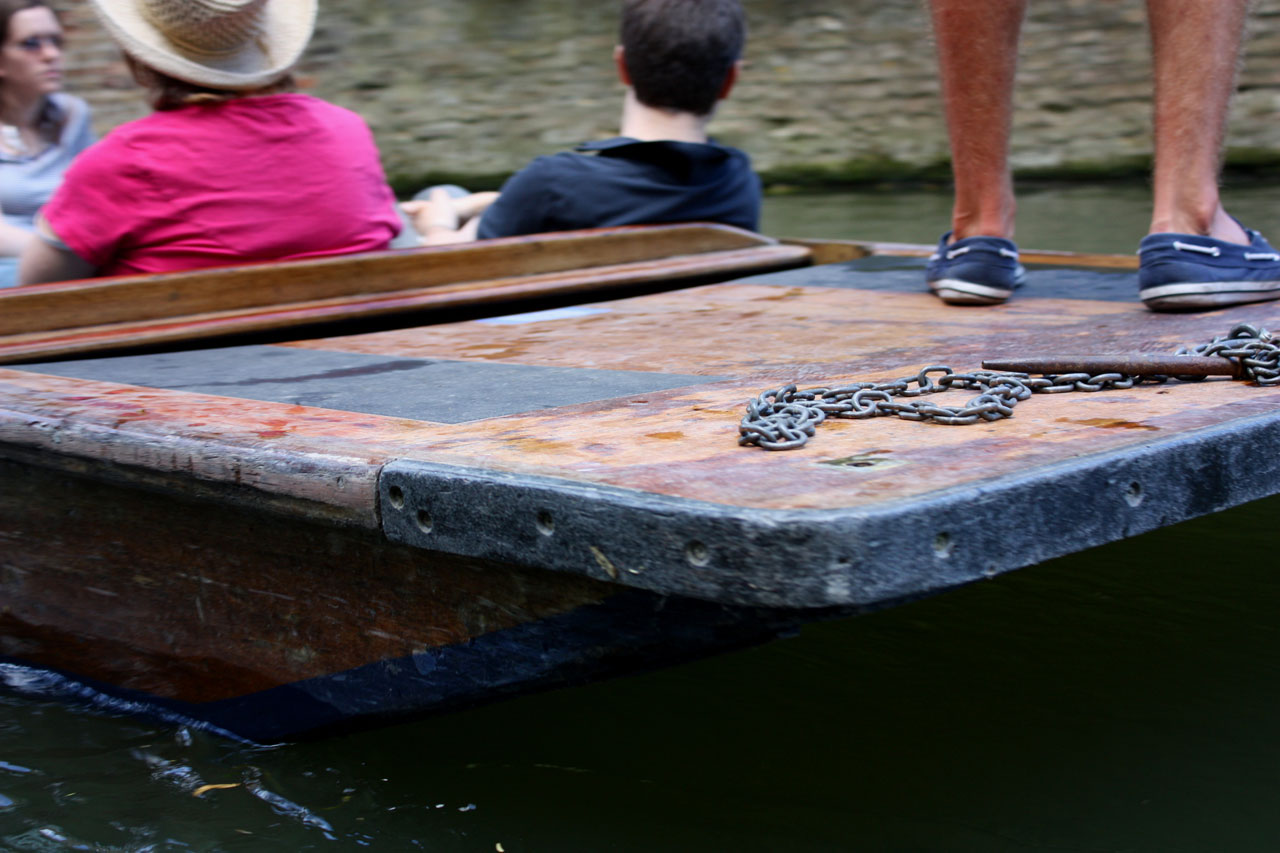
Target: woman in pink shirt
[[232, 166]]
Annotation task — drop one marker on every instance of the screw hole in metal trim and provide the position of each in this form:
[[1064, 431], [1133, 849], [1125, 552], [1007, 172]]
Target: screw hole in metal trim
[[697, 554], [545, 523], [1133, 494], [395, 495], [425, 522], [942, 545]]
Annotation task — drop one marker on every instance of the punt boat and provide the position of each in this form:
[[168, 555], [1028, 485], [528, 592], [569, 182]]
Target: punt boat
[[278, 540]]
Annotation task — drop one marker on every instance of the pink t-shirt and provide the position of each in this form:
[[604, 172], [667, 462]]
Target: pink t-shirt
[[253, 179]]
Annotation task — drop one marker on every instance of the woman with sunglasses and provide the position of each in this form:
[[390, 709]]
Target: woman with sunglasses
[[41, 128]]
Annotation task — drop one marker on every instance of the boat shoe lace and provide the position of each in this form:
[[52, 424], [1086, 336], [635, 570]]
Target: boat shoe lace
[[1178, 272]]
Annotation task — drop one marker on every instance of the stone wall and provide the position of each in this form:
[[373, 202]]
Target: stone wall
[[477, 87]]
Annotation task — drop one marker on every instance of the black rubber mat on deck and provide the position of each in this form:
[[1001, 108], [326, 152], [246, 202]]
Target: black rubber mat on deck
[[435, 390]]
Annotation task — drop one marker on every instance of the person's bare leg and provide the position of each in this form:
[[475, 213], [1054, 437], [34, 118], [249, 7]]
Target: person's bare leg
[[977, 56], [1196, 50]]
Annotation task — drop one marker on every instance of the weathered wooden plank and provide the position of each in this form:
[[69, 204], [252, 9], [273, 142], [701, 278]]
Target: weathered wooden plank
[[65, 423]]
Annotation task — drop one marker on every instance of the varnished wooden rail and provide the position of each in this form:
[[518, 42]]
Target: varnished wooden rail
[[81, 317]]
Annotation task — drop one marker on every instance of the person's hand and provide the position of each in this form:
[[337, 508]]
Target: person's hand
[[435, 215], [465, 208], [442, 218]]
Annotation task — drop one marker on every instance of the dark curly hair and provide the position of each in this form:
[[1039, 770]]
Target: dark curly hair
[[679, 52]]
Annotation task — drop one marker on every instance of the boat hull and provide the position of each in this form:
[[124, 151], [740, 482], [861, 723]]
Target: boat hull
[[269, 628]]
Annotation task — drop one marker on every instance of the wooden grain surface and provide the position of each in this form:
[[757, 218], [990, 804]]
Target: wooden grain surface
[[90, 587], [99, 314], [680, 442]]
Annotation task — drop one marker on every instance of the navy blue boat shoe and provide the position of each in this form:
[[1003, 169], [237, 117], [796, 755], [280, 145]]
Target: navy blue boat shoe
[[1178, 272], [975, 270]]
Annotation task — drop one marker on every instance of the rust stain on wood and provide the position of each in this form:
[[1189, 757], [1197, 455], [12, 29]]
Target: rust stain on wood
[[1107, 423]]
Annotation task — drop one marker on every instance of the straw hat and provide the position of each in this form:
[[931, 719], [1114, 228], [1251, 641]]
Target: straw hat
[[222, 44]]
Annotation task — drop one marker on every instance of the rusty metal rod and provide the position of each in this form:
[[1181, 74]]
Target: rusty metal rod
[[1131, 365]]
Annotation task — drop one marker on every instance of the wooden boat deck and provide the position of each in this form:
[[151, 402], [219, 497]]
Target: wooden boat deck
[[601, 440]]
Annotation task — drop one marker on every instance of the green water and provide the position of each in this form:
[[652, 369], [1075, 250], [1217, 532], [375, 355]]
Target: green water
[[1080, 218], [1123, 699]]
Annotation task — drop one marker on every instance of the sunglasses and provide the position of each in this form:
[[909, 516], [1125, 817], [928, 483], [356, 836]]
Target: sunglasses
[[33, 44]]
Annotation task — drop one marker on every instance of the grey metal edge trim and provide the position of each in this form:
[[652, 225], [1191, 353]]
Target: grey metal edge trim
[[824, 558]]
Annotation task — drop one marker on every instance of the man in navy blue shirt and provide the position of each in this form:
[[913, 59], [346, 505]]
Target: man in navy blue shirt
[[678, 59]]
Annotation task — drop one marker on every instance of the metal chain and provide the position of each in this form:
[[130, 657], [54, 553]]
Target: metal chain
[[785, 418]]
